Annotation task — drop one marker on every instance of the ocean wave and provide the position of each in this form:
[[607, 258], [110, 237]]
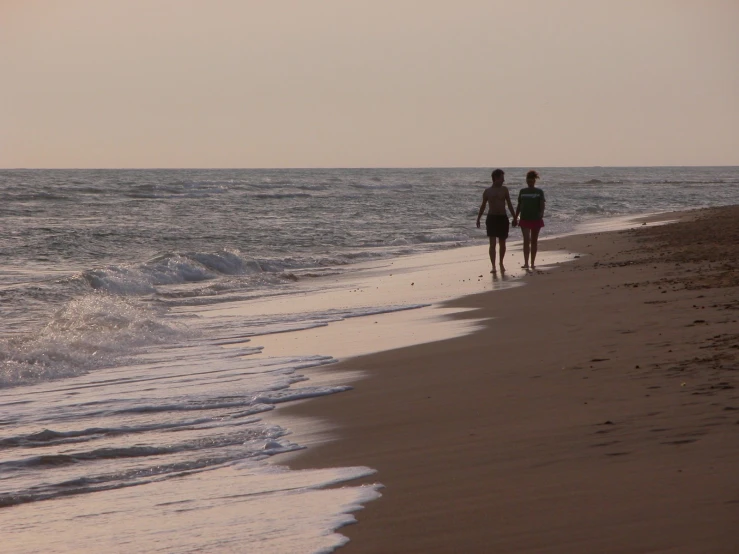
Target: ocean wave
[[178, 189], [281, 195], [255, 443], [90, 332], [596, 209], [442, 237], [211, 185], [56, 460], [313, 263], [315, 186], [591, 210], [400, 241], [302, 393], [271, 182], [689, 182], [48, 437], [217, 404], [382, 186], [33, 197], [600, 182], [168, 269], [224, 262]]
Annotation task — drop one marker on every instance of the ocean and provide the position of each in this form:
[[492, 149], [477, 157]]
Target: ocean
[[133, 384]]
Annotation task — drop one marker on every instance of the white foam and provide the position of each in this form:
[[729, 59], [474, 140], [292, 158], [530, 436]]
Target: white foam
[[90, 332], [252, 508]]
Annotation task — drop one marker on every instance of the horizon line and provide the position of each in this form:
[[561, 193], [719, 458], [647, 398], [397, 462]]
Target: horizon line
[[165, 168]]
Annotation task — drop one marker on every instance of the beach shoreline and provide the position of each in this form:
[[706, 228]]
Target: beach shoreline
[[592, 411]]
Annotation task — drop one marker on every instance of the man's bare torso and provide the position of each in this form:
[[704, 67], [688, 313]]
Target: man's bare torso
[[496, 197]]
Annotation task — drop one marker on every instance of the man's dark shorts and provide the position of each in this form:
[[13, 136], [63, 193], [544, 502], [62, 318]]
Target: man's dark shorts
[[497, 226]]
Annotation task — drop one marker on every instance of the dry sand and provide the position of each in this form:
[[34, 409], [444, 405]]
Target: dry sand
[[596, 411]]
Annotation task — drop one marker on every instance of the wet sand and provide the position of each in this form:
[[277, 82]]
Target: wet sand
[[596, 410]]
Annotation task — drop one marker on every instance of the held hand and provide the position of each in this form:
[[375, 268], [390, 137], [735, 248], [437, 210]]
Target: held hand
[[478, 223], [515, 222]]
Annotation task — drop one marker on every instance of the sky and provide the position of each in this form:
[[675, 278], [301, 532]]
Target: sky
[[378, 83]]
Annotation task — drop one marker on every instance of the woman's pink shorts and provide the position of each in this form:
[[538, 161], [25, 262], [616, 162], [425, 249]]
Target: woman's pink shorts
[[531, 223]]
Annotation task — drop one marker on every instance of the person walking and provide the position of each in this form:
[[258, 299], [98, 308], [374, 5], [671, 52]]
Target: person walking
[[530, 208], [496, 197]]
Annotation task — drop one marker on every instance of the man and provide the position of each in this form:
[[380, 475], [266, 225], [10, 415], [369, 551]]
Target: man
[[496, 223]]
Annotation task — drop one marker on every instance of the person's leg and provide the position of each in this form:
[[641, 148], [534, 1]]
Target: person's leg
[[491, 251], [534, 244], [526, 237], [502, 253]]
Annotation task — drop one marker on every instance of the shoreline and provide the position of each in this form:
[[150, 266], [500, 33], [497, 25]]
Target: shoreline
[[436, 280], [595, 439]]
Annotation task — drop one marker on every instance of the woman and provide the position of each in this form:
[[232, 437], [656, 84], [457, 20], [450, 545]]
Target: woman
[[531, 209]]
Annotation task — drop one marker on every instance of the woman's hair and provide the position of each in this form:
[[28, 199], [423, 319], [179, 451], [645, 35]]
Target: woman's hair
[[532, 175]]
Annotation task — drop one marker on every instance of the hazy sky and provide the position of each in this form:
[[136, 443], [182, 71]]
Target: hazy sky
[[345, 83]]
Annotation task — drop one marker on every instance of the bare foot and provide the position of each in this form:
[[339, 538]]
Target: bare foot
[[502, 268], [525, 266], [492, 270]]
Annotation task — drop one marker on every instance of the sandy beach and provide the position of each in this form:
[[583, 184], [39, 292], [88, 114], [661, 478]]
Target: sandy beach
[[595, 410]]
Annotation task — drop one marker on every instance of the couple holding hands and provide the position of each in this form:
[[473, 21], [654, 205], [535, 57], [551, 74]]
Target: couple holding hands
[[528, 215]]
